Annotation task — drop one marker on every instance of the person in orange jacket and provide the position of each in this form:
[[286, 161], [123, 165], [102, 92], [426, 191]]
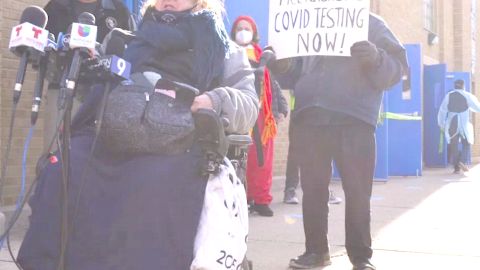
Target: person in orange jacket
[[274, 109]]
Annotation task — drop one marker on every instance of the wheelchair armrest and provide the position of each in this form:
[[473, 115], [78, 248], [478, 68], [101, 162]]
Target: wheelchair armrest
[[183, 91], [210, 135], [210, 132], [239, 139]]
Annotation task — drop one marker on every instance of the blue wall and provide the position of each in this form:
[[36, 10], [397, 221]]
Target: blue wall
[[234, 8], [134, 5], [257, 9]]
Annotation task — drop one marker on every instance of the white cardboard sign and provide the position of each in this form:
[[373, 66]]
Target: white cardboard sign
[[317, 27]]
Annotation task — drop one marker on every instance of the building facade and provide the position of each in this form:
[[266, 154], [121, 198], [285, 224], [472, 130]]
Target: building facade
[[448, 32], [446, 29]]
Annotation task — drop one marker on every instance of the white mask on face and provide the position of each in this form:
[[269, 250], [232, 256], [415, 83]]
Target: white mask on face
[[244, 37]]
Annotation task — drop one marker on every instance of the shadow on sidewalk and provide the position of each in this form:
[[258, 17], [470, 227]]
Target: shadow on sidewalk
[[410, 215], [429, 222]]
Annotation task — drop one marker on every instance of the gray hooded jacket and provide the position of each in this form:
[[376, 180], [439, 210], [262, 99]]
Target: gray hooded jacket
[[342, 84]]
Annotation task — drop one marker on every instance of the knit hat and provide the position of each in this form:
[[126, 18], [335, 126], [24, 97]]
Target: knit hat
[[459, 84], [250, 20]]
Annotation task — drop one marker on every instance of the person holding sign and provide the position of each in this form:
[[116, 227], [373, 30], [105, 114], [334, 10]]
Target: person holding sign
[[454, 120], [337, 103], [274, 109]]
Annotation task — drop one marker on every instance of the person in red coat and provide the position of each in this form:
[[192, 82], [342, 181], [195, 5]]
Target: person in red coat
[[274, 108]]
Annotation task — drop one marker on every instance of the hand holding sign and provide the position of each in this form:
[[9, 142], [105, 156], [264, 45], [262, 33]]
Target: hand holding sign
[[366, 52]]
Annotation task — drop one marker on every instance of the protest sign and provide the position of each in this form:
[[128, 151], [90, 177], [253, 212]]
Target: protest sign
[[317, 27]]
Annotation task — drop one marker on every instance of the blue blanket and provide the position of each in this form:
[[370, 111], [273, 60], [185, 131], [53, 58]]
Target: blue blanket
[[134, 212]]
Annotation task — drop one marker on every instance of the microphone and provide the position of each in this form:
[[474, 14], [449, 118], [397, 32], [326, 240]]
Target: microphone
[[120, 35], [63, 41], [28, 40], [111, 66], [42, 70], [115, 46], [34, 15], [111, 63], [51, 43], [56, 58], [82, 38], [86, 18]]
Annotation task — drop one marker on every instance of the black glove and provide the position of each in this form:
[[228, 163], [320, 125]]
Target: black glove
[[280, 66], [366, 52]]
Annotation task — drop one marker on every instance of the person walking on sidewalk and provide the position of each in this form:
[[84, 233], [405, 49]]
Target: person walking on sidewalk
[[454, 121], [337, 102], [292, 174], [274, 109]]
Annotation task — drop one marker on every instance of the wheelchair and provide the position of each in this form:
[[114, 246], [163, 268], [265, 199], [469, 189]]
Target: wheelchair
[[217, 145]]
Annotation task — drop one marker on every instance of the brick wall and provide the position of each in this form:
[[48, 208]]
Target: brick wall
[[281, 145], [9, 16], [476, 90], [453, 29], [2, 41]]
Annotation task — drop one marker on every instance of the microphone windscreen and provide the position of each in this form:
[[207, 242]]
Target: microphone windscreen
[[115, 46], [86, 18], [34, 15]]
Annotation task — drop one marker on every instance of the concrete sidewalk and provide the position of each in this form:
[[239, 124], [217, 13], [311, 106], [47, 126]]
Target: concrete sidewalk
[[418, 223]]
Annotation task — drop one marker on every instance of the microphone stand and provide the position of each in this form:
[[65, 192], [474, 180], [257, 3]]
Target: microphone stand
[[68, 90], [65, 156]]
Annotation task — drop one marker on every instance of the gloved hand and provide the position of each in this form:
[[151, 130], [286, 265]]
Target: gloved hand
[[366, 52]]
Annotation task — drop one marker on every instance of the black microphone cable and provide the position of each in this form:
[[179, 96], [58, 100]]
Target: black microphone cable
[[69, 90], [21, 203], [114, 46], [38, 17]]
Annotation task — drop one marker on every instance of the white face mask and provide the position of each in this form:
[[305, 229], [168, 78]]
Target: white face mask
[[244, 37]]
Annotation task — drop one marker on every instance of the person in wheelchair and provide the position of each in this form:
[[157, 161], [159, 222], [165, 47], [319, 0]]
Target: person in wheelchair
[[141, 210]]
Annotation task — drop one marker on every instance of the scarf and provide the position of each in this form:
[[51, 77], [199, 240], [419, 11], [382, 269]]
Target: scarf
[[270, 127], [166, 31], [211, 47]]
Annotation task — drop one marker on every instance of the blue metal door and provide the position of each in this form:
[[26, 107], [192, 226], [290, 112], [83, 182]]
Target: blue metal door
[[405, 132], [435, 154]]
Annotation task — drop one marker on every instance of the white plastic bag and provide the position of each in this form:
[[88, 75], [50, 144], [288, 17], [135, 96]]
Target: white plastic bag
[[221, 240]]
